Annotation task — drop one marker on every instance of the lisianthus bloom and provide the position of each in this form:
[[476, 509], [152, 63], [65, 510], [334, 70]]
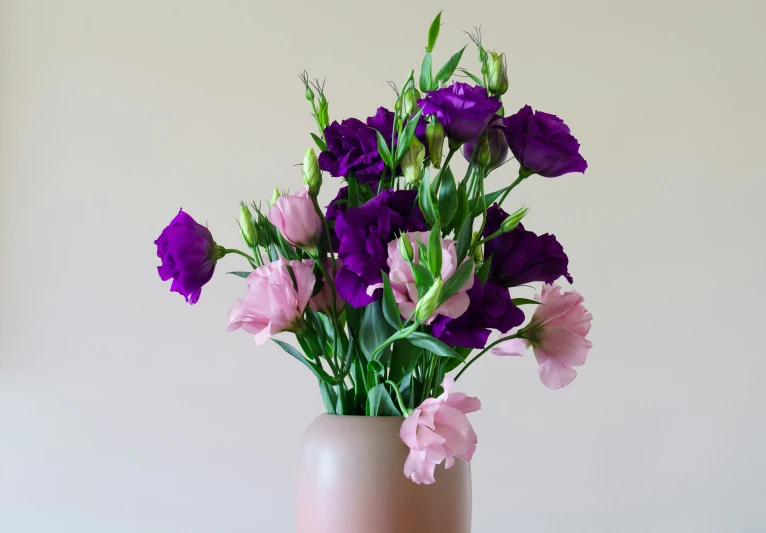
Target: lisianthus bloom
[[438, 431], [557, 334], [542, 143], [352, 146], [338, 205], [496, 144], [491, 307], [520, 256], [296, 218], [403, 281], [363, 233], [188, 254], [275, 299], [463, 110], [322, 301]]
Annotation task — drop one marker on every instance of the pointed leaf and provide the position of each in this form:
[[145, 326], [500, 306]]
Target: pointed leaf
[[447, 198], [464, 239], [483, 272], [489, 199], [435, 251], [404, 359], [458, 279], [423, 279], [383, 150], [240, 274], [433, 345], [379, 402], [476, 80], [319, 142], [445, 73], [374, 330], [329, 398], [403, 143], [426, 201], [318, 372], [390, 308], [425, 73], [433, 32], [524, 301]]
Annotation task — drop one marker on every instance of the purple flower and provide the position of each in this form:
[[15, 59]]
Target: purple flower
[[363, 233], [188, 255], [462, 109], [352, 146], [498, 146], [490, 307], [338, 205], [542, 143], [520, 256]]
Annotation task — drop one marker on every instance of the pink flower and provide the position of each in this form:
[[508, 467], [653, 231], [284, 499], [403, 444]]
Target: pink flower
[[273, 302], [439, 431], [322, 302], [557, 333], [403, 282], [296, 218]]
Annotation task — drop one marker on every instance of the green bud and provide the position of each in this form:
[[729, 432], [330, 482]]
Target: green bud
[[274, 196], [309, 93], [323, 111], [410, 102], [483, 152], [497, 81], [412, 162], [405, 247], [428, 304], [247, 227], [312, 176], [435, 140], [513, 220], [477, 255]]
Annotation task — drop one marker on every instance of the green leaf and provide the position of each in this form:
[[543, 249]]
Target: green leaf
[[433, 345], [403, 143], [452, 364], [383, 150], [353, 191], [425, 73], [318, 372], [341, 405], [435, 251], [447, 198], [379, 402], [458, 279], [374, 330], [433, 32], [404, 359], [445, 73], [423, 278], [483, 272], [390, 308], [524, 301], [464, 239], [477, 81], [240, 274], [426, 201], [319, 142], [329, 398], [478, 206]]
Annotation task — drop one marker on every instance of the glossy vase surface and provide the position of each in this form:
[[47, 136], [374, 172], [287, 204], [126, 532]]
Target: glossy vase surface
[[351, 480]]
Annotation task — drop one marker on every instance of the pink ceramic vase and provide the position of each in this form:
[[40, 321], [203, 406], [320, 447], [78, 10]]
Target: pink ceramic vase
[[351, 480]]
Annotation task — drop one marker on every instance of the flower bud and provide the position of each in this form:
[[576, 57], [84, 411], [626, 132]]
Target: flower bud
[[435, 140], [246, 225], [412, 162], [428, 304], [274, 197], [497, 83], [483, 153], [405, 247], [323, 111], [309, 93], [312, 176], [513, 220], [410, 102], [477, 254]]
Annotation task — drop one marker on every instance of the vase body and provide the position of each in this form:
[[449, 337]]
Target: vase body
[[351, 480]]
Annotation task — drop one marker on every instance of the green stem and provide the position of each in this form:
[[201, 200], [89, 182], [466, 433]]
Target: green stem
[[521, 178], [441, 170], [398, 397], [238, 252], [485, 350]]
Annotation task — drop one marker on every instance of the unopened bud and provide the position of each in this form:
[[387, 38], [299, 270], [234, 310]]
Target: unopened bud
[[405, 247], [410, 102], [513, 220], [309, 93], [428, 304], [323, 111], [312, 176], [497, 81], [435, 140], [274, 197], [477, 254], [483, 152], [246, 225], [412, 162]]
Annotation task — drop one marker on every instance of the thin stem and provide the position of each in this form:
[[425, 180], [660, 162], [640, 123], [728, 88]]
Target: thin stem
[[444, 166], [521, 178], [238, 252], [398, 397], [485, 350]]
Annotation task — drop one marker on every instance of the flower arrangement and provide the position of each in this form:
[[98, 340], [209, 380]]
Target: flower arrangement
[[403, 278]]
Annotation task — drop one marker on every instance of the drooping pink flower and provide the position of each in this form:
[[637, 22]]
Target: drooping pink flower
[[557, 334], [296, 218], [322, 302], [438, 431], [274, 302], [403, 281]]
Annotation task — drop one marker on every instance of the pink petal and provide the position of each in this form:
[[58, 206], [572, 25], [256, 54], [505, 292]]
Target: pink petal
[[516, 347], [419, 469], [559, 342], [408, 431], [463, 402], [554, 373]]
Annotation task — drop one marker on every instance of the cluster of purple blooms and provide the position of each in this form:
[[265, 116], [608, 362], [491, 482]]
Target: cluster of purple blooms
[[369, 245]]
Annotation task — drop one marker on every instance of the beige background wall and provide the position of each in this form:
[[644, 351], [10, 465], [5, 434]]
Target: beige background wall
[[122, 409]]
